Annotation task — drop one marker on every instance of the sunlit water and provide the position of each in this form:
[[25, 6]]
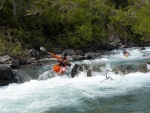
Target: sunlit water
[[63, 94]]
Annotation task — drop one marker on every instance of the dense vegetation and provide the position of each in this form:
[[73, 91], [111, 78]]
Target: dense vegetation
[[71, 23]]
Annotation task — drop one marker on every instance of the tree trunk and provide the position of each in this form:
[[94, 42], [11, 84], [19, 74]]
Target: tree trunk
[[14, 6]]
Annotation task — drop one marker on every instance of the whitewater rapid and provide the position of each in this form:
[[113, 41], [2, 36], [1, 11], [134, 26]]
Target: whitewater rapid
[[59, 92]]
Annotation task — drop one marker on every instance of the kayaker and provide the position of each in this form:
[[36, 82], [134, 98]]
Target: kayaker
[[62, 60], [125, 52]]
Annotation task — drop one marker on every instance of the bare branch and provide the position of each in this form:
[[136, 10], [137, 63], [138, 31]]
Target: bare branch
[[2, 5], [14, 7], [109, 77]]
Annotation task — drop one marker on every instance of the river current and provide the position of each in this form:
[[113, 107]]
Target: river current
[[48, 93]]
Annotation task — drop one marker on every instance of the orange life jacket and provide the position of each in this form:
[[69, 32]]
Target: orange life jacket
[[59, 69]]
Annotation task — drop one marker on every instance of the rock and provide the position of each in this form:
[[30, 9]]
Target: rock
[[8, 76], [74, 70], [34, 53], [125, 69], [14, 63], [19, 78], [97, 68], [89, 73], [79, 52], [31, 60], [114, 40], [43, 49], [78, 57], [43, 53], [83, 67], [4, 59], [89, 56], [142, 48], [4, 82], [5, 73], [148, 63], [69, 52]]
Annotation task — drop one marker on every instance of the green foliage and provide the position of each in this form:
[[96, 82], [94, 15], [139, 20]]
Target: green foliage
[[6, 14], [74, 23], [12, 49], [142, 22]]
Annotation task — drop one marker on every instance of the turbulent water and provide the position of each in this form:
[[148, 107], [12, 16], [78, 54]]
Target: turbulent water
[[47, 93]]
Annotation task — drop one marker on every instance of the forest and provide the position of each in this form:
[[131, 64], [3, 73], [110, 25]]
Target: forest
[[76, 24]]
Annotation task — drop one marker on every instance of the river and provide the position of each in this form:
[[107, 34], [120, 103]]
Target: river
[[47, 93]]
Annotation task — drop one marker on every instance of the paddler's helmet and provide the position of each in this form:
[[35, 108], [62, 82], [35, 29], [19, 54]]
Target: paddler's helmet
[[64, 55]]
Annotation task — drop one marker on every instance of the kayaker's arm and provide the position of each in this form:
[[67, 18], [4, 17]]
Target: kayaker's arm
[[56, 56]]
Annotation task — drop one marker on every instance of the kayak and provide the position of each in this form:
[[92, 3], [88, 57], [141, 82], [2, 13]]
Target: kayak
[[126, 55], [59, 69]]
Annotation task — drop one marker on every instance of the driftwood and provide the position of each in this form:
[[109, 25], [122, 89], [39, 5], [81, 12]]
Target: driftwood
[[109, 77]]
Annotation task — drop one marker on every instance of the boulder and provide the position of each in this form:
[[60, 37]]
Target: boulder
[[14, 63], [31, 60], [8, 76], [43, 50], [5, 73], [78, 57], [34, 53], [74, 70], [89, 73], [19, 78]]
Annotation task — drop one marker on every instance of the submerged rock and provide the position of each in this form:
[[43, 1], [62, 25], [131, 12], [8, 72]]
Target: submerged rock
[[125, 69]]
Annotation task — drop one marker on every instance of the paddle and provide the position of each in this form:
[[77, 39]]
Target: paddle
[[44, 50]]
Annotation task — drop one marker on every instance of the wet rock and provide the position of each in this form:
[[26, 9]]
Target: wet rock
[[89, 73], [97, 68], [19, 78], [148, 63], [145, 55], [89, 56], [142, 48], [82, 67], [14, 63], [31, 60], [74, 70], [69, 52], [78, 57], [143, 68], [5, 73], [34, 53], [125, 69]]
